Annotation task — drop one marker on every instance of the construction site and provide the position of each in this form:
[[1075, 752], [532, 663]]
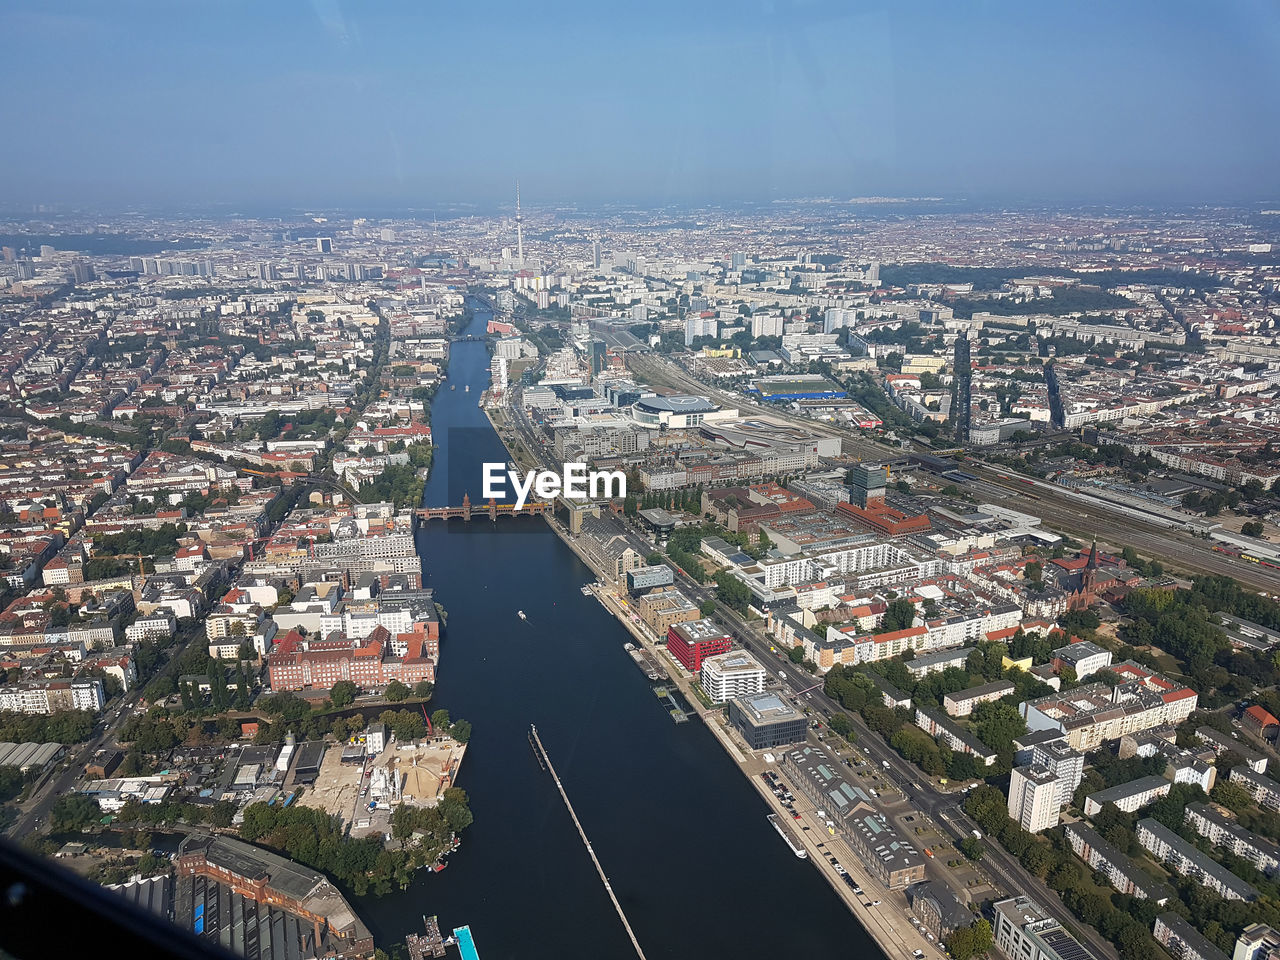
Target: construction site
[[363, 786]]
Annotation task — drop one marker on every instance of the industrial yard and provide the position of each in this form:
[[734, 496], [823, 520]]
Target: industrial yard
[[362, 788]]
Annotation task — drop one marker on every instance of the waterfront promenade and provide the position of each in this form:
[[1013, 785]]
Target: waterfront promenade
[[888, 922]]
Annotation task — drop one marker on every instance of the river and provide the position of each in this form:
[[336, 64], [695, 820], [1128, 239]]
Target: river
[[681, 834]]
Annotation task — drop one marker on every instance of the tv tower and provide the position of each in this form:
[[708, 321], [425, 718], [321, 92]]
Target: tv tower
[[519, 229]]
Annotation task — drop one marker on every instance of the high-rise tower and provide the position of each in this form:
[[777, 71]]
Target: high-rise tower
[[519, 229]]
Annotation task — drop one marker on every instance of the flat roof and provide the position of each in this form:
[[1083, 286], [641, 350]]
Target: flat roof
[[768, 708], [735, 661], [677, 403]]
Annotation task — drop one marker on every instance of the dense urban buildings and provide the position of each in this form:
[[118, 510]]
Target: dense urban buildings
[[218, 451]]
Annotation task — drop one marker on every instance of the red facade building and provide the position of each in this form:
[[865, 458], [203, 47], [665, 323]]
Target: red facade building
[[695, 640], [298, 662]]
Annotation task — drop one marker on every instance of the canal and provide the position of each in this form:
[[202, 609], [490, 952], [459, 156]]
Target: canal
[[681, 834]]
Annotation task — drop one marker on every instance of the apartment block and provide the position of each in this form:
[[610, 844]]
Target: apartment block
[[1119, 869], [1183, 941], [1263, 789], [1094, 714], [1223, 830], [1182, 857], [962, 702], [1128, 797], [1033, 798]]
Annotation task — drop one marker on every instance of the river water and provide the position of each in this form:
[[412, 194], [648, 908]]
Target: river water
[[681, 834]]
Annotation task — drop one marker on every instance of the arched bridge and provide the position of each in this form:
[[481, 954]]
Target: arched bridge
[[493, 509]]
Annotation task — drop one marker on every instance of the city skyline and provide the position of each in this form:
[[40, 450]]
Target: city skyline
[[324, 104]]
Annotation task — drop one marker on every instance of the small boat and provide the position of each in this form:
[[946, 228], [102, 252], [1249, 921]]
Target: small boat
[[466, 388], [521, 615], [453, 386]]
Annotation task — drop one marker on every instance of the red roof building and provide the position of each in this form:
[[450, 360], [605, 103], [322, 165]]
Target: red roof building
[[1260, 721], [298, 662]]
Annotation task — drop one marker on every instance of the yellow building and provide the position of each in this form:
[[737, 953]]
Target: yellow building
[[923, 363]]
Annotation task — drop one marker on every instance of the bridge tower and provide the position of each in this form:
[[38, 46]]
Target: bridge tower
[[466, 506]]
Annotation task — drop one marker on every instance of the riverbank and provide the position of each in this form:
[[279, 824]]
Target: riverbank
[[882, 920], [522, 880]]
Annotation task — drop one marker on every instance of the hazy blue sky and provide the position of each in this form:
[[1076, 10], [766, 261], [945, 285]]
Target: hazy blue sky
[[332, 103]]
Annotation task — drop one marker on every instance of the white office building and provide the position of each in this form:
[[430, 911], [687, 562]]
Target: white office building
[[498, 375], [733, 674]]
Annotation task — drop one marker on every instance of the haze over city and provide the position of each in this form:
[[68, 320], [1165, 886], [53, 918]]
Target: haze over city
[[332, 104]]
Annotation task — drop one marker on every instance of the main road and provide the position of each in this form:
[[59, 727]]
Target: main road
[[942, 807]]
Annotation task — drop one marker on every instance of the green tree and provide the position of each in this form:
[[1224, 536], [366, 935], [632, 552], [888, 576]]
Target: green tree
[[72, 812], [900, 615], [396, 692], [732, 592], [343, 693], [971, 941], [707, 608]]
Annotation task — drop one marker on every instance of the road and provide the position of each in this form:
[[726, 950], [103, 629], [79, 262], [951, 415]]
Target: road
[[941, 807], [1111, 524], [34, 814]]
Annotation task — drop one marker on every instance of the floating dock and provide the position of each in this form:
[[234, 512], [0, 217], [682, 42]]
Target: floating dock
[[537, 752], [678, 713], [645, 661], [429, 944]]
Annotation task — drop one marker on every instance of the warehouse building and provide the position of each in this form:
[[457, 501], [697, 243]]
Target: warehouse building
[[851, 814]]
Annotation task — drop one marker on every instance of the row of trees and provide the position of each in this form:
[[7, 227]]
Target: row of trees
[[856, 692], [343, 693], [64, 726]]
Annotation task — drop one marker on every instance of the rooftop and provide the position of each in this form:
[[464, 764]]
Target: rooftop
[[768, 708]]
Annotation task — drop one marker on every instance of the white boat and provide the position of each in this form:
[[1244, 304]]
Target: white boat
[[785, 833], [521, 615], [466, 388]]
